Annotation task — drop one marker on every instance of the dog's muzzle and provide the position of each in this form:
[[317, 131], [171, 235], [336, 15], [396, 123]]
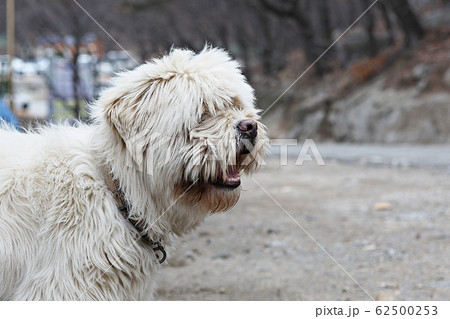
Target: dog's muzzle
[[247, 130]]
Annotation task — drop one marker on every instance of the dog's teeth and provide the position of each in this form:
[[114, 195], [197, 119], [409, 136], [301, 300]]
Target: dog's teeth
[[233, 176], [233, 179]]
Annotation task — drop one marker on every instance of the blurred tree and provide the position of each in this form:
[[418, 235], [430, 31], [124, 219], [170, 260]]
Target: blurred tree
[[146, 21], [271, 46], [325, 23], [410, 25], [369, 22], [291, 9], [387, 22]]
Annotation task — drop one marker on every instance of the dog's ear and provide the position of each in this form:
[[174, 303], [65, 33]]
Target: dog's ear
[[113, 112], [125, 117]]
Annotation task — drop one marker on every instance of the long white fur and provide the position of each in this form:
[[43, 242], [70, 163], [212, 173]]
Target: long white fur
[[61, 234]]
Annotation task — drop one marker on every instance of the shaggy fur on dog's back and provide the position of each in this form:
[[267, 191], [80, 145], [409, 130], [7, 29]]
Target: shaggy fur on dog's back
[[170, 133]]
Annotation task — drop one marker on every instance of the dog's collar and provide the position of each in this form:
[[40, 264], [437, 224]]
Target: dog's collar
[[123, 206]]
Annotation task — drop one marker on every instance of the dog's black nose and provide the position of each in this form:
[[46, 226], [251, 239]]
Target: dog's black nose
[[248, 128]]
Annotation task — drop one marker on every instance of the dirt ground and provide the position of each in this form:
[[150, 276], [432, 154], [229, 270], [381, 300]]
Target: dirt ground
[[387, 227]]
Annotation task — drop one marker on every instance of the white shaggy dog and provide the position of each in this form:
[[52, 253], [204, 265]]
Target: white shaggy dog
[[86, 211]]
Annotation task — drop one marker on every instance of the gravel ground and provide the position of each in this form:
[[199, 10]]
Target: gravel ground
[[386, 226]]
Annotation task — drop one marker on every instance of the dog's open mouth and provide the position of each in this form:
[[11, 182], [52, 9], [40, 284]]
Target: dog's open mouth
[[232, 180]]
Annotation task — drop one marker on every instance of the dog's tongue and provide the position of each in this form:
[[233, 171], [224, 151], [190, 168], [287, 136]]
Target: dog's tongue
[[233, 179]]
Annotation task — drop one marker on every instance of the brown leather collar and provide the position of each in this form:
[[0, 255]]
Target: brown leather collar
[[113, 186]]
